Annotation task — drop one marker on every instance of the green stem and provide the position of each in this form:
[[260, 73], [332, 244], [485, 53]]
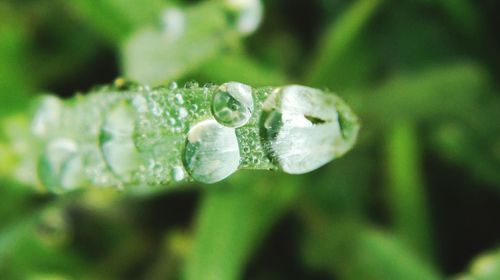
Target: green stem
[[406, 192]]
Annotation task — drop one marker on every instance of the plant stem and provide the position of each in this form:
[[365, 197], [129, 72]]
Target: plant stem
[[405, 189]]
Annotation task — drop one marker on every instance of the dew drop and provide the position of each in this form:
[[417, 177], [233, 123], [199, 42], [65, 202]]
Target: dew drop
[[60, 166], [140, 103], [232, 104], [212, 152], [48, 113], [116, 141], [156, 109], [179, 99], [183, 113], [172, 85], [303, 129], [191, 85], [178, 173]]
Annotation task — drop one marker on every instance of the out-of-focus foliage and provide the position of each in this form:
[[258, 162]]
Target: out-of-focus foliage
[[418, 198]]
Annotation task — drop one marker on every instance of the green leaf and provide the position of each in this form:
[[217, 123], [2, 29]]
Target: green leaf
[[381, 256], [240, 67], [422, 96], [484, 267], [406, 193], [338, 39], [352, 251], [15, 82], [116, 19], [189, 37], [232, 221]]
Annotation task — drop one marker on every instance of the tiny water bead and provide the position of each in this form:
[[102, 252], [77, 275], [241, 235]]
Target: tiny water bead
[[212, 152], [232, 104]]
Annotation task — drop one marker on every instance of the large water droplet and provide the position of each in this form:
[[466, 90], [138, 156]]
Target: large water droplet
[[303, 129], [60, 166], [232, 104], [212, 152], [116, 141]]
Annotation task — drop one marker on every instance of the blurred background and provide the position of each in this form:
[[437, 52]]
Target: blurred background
[[418, 197]]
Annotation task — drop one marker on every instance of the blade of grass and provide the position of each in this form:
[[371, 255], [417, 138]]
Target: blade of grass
[[338, 38], [382, 256], [116, 19], [351, 250], [405, 189], [232, 221], [15, 83]]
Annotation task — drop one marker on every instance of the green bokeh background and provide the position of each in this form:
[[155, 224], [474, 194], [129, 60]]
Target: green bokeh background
[[418, 197]]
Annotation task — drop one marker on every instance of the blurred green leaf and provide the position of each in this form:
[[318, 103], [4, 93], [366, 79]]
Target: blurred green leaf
[[239, 67], [233, 219], [421, 96], [116, 19], [381, 256], [484, 267], [338, 39], [407, 197], [189, 37], [35, 243], [340, 190], [350, 250], [463, 13], [15, 81]]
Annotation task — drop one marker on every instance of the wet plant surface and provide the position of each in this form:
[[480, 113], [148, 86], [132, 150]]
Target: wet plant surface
[[171, 140]]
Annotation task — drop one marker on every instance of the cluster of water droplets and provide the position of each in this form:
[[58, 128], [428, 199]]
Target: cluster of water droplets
[[129, 135]]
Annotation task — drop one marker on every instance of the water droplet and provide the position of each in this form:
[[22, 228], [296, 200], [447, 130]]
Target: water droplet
[[178, 99], [116, 141], [173, 23], [173, 85], [60, 166], [247, 14], [140, 103], [232, 104], [191, 85], [178, 173], [303, 130], [48, 113], [156, 109], [146, 88], [183, 113], [212, 152]]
